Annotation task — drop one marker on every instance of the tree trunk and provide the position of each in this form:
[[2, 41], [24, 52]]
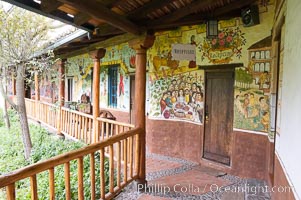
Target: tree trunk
[[5, 115], [20, 93], [3, 105]]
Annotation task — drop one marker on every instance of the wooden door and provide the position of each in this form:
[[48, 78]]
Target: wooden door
[[132, 99], [219, 116]]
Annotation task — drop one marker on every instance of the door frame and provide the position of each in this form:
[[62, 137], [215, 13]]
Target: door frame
[[217, 68]]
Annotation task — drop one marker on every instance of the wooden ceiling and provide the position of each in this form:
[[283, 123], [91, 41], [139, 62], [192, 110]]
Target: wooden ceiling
[[110, 18]]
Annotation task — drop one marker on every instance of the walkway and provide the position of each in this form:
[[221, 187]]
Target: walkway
[[171, 178]]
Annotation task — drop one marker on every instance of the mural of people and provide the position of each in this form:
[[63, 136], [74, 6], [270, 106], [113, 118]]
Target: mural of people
[[180, 99]]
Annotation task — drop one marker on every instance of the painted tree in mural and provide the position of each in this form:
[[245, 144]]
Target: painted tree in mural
[[243, 78], [21, 35]]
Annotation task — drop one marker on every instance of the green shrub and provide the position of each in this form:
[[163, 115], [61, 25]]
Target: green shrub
[[45, 146]]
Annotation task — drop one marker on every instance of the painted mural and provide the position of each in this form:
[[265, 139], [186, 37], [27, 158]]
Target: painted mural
[[80, 68], [179, 97], [221, 49], [234, 44]]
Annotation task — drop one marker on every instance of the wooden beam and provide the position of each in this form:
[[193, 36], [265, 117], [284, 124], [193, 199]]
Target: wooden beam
[[223, 13], [50, 5], [232, 6], [178, 14], [81, 18], [100, 12], [103, 44], [147, 8], [55, 14]]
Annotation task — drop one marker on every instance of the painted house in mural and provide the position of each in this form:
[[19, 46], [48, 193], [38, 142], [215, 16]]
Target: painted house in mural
[[209, 100]]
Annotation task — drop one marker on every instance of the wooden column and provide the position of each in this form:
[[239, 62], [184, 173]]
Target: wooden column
[[141, 46], [37, 93], [61, 95], [96, 56]]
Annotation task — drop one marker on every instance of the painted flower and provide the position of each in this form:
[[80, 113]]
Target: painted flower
[[221, 35], [229, 39], [132, 61], [222, 42], [213, 42]]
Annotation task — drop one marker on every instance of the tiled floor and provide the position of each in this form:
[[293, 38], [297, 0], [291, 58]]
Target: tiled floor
[[172, 178]]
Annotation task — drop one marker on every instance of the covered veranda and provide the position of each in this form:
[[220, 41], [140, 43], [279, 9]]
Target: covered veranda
[[136, 23]]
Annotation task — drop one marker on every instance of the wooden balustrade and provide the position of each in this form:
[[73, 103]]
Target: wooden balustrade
[[73, 123], [77, 125], [30, 107], [121, 145], [107, 128]]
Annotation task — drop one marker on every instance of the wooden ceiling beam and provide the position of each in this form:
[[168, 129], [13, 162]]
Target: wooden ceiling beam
[[178, 14], [147, 8], [81, 18], [50, 5], [232, 6], [100, 12]]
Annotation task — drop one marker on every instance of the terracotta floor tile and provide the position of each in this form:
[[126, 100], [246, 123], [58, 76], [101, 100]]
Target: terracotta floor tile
[[154, 165], [149, 197], [191, 182]]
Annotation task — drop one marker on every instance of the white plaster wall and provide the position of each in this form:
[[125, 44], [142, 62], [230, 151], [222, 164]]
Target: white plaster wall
[[288, 143]]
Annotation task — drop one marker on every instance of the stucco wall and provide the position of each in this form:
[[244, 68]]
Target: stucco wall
[[288, 142]]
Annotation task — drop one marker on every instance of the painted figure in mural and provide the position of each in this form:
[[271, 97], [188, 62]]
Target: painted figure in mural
[[246, 105], [121, 85], [163, 103], [174, 97], [168, 99], [264, 107], [181, 98], [187, 96], [264, 80], [265, 121], [238, 105], [192, 64]]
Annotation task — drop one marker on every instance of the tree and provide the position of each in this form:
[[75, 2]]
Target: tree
[[22, 34]]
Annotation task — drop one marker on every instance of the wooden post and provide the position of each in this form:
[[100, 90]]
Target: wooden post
[[37, 93], [96, 56], [140, 46], [61, 96]]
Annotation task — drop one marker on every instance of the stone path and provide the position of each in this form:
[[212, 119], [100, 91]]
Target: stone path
[[176, 179]]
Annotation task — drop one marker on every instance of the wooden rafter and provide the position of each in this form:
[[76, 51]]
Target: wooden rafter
[[50, 5], [81, 18], [190, 8], [227, 12], [149, 7], [98, 11], [233, 6]]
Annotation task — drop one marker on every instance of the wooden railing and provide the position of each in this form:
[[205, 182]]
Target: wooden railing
[[30, 107], [47, 113], [44, 112], [78, 125], [107, 128], [123, 168], [73, 123]]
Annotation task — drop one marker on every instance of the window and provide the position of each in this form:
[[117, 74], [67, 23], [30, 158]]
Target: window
[[113, 76], [70, 88]]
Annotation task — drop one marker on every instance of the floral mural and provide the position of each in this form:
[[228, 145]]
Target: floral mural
[[179, 97], [220, 50]]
